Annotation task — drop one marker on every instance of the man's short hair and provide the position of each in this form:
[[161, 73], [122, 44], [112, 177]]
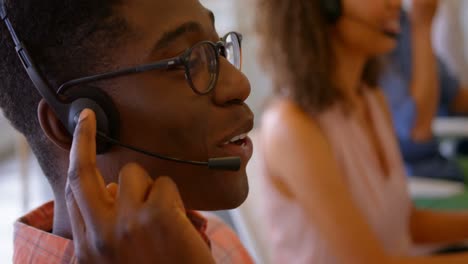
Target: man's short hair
[[66, 39]]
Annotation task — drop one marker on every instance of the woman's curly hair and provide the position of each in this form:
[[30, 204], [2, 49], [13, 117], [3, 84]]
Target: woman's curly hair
[[297, 52]]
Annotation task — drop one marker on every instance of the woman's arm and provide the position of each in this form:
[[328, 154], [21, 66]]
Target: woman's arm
[[438, 227], [297, 152], [428, 226]]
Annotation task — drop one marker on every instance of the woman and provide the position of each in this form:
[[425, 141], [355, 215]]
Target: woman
[[336, 189]]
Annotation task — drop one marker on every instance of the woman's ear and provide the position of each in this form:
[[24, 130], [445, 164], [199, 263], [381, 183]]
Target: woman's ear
[[52, 126]]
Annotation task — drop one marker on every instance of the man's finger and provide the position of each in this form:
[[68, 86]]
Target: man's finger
[[76, 220], [165, 193], [86, 183], [134, 186], [112, 189]]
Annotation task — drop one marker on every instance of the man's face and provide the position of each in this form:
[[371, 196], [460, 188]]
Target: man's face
[[159, 112]]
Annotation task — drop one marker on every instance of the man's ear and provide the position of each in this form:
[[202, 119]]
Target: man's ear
[[52, 126]]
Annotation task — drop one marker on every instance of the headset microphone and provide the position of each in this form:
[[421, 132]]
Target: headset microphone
[[224, 163], [387, 33], [68, 106], [333, 10]]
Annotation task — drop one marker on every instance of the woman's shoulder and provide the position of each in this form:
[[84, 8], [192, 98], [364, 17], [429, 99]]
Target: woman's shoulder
[[282, 106], [287, 127], [293, 143], [283, 115]]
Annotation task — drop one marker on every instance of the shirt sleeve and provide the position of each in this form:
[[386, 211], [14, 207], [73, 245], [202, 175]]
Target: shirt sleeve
[[402, 105], [403, 110]]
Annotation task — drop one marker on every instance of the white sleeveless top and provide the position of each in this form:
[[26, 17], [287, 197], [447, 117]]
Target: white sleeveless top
[[383, 199]]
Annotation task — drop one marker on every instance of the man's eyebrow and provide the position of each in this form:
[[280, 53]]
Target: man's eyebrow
[[172, 35]]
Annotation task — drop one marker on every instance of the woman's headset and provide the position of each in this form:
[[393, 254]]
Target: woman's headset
[[332, 9]]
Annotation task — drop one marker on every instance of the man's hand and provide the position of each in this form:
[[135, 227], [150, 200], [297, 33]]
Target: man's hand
[[138, 221], [423, 12]]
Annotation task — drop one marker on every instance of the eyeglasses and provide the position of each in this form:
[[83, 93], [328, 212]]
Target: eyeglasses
[[200, 63]]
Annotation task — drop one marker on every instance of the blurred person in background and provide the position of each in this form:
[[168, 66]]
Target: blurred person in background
[[418, 87], [449, 38], [334, 179]]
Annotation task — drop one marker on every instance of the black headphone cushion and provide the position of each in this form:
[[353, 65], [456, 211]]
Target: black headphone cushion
[[107, 116]]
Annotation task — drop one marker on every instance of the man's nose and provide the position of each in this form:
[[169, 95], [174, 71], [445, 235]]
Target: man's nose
[[232, 87]]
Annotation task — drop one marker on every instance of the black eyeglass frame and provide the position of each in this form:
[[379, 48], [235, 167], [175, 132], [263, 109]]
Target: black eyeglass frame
[[181, 60]]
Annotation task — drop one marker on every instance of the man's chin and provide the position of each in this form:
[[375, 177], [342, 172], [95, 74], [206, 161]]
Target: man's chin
[[220, 206], [216, 202], [237, 201]]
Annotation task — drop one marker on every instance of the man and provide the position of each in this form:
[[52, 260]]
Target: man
[[192, 108], [418, 87]]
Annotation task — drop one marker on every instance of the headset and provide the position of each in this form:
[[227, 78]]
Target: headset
[[333, 10], [69, 105]]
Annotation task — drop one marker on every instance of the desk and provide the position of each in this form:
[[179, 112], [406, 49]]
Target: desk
[[433, 188], [438, 194], [455, 202], [450, 127]]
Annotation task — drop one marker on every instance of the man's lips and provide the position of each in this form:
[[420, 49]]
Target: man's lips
[[242, 148], [238, 135], [237, 140]]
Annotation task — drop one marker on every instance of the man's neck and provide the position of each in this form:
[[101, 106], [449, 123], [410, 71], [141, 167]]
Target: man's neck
[[61, 225]]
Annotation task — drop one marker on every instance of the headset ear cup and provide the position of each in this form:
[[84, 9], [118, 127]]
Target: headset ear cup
[[332, 9], [107, 118]]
